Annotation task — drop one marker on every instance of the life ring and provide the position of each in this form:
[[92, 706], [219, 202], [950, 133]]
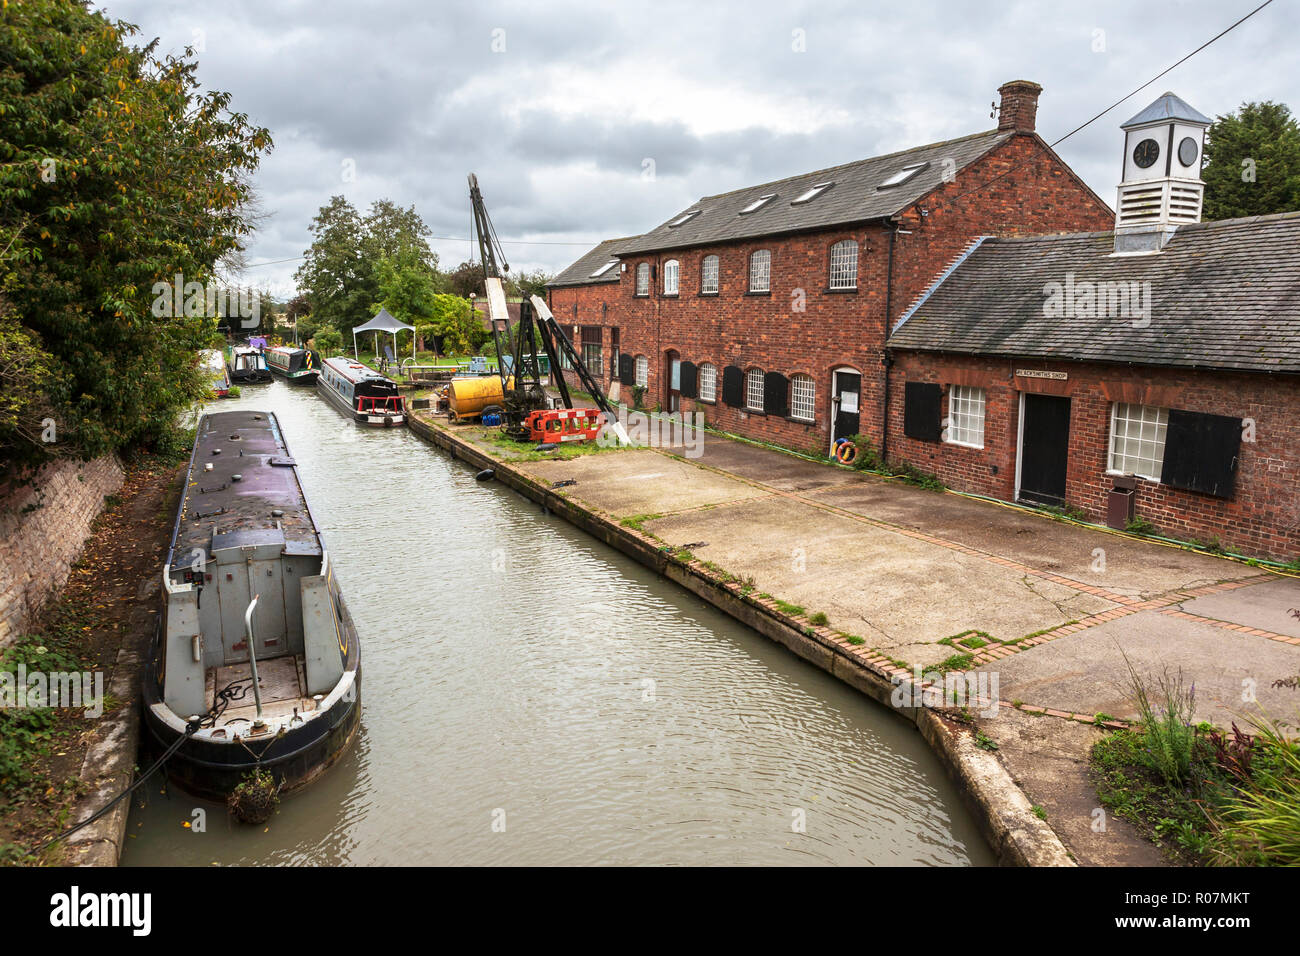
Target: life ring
[[846, 453]]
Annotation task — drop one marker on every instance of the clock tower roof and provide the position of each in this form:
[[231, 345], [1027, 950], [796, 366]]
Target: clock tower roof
[[1168, 107]]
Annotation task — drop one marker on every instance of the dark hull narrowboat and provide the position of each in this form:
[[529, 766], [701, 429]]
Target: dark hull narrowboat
[[361, 393], [298, 366], [247, 366], [256, 663]]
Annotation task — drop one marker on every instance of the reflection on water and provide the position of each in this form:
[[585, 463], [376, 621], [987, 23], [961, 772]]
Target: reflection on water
[[531, 696]]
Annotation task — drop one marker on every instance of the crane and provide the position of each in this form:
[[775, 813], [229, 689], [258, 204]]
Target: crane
[[526, 412]]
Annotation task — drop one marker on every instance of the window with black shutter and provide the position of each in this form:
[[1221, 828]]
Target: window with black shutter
[[921, 415], [733, 386], [1201, 452], [776, 394], [689, 385], [626, 373]]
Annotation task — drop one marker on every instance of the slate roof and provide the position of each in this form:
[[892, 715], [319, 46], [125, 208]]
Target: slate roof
[[854, 197], [1223, 295], [580, 272], [1168, 107]]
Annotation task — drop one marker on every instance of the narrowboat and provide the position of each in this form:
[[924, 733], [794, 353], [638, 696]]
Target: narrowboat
[[360, 392], [247, 365], [299, 366], [256, 662], [214, 370]]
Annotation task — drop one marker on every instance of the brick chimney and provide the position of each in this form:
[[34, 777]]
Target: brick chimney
[[1019, 105]]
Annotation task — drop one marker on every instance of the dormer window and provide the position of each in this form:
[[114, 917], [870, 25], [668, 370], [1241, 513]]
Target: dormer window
[[683, 219], [758, 204], [903, 175], [811, 194], [603, 269]]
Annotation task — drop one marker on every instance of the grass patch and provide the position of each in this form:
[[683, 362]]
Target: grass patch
[[957, 662], [793, 610], [636, 522], [819, 619]]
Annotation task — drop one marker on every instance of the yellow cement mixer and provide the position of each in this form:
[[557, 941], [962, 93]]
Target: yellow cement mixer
[[467, 397]]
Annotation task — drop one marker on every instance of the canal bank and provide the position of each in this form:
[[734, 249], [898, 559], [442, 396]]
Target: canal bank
[[1017, 835], [77, 761]]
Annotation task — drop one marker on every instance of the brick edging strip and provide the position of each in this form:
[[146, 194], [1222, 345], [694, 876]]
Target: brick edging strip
[[1017, 836]]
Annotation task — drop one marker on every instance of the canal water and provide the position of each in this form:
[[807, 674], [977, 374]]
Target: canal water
[[531, 696]]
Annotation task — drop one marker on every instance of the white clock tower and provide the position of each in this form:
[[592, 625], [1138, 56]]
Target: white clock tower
[[1162, 187]]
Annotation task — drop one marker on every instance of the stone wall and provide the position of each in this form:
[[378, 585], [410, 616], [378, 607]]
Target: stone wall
[[43, 526]]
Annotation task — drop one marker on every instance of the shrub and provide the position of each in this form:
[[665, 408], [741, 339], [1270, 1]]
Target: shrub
[[1261, 820], [1166, 723]]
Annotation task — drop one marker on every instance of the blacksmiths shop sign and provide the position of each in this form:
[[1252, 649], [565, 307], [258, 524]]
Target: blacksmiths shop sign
[[1041, 373]]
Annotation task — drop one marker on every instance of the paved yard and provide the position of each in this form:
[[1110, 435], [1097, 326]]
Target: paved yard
[[907, 569]]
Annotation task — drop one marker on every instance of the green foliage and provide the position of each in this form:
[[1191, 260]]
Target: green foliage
[[1262, 818], [455, 322], [1166, 722], [868, 456], [819, 619], [1264, 136], [116, 173], [327, 342], [336, 276], [1139, 525]]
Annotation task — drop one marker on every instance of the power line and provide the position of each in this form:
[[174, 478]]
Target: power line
[[1081, 126], [506, 242]]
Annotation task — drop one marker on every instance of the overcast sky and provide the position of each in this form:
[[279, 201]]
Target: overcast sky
[[564, 109]]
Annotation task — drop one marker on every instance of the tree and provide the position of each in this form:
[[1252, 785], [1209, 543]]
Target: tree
[[530, 283], [1252, 162], [327, 341], [456, 324], [117, 175], [396, 233], [466, 278], [406, 287], [337, 276], [356, 263]]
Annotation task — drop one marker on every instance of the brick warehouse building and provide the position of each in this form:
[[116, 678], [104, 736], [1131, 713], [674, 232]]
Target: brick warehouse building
[[1021, 375], [767, 308]]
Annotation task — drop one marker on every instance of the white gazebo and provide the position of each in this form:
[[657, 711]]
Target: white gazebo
[[383, 322]]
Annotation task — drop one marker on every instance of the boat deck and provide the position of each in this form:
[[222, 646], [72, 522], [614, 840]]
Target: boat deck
[[282, 681]]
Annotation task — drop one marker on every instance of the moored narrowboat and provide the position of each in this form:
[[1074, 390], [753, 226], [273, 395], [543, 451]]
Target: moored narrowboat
[[298, 366], [214, 370], [256, 663], [247, 365], [360, 392]]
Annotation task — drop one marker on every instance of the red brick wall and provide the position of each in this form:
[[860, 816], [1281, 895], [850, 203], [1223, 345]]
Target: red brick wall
[[1028, 191], [1261, 519]]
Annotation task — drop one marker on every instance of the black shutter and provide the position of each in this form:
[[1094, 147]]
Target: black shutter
[[921, 417], [626, 372], [776, 394], [1201, 452], [733, 386], [690, 387]]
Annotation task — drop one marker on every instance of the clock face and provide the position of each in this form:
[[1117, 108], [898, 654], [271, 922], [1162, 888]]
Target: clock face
[[1187, 151], [1146, 153]]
